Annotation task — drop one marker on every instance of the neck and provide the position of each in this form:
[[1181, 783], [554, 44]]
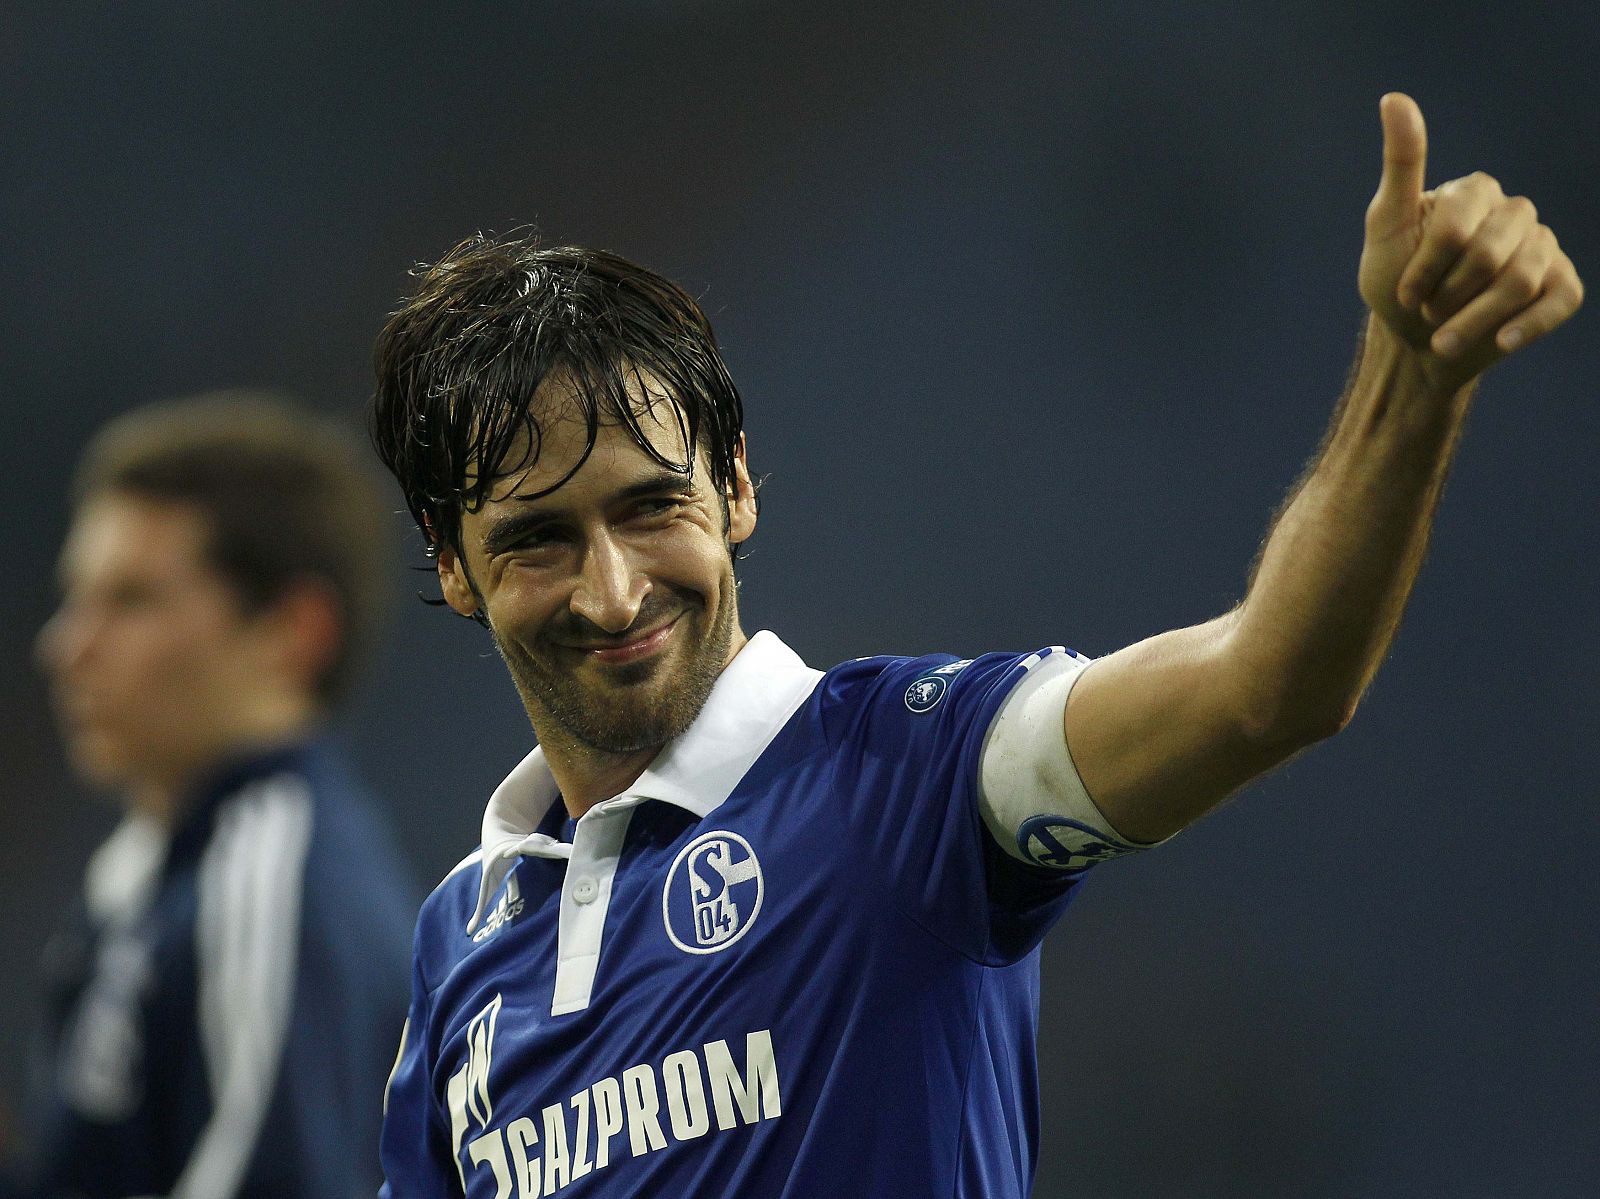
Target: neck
[[167, 795], [158, 802], [588, 776]]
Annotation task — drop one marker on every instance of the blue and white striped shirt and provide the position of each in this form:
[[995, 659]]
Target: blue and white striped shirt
[[226, 1008]]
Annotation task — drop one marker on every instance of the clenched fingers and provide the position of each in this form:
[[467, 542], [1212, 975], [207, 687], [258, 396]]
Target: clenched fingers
[[1501, 234], [1456, 210], [1559, 298], [1519, 282]]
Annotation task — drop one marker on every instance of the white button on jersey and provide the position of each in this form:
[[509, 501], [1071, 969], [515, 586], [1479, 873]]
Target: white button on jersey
[[584, 890]]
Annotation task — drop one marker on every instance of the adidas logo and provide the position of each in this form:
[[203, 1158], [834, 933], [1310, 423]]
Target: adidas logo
[[506, 909]]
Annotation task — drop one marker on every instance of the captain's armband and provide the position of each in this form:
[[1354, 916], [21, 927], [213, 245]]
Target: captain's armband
[[1029, 792]]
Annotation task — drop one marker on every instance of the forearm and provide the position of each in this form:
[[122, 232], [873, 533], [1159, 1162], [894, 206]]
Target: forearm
[[1457, 277], [1332, 581]]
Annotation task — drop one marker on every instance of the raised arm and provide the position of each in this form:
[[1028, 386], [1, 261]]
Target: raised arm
[[1456, 278]]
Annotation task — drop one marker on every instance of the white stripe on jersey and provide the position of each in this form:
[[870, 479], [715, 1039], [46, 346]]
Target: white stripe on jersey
[[248, 941]]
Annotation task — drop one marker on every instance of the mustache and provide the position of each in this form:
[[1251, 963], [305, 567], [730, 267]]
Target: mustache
[[575, 630]]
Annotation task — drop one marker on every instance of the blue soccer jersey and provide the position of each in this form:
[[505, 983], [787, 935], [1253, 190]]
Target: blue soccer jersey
[[225, 1005], [789, 960]]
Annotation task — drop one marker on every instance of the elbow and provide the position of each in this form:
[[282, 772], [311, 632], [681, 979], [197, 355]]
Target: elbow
[[1336, 720], [1292, 723]]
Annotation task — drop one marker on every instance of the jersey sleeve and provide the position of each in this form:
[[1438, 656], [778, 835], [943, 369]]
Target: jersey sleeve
[[909, 735], [417, 1163], [265, 999], [301, 982]]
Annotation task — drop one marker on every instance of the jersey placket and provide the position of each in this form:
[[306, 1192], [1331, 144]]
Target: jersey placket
[[585, 899]]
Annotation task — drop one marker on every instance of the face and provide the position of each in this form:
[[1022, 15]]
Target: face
[[149, 652], [611, 599]]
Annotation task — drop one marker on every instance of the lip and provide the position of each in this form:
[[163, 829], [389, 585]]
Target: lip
[[650, 643]]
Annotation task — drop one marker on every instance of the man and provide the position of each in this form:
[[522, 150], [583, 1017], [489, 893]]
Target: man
[[738, 928], [225, 1013]]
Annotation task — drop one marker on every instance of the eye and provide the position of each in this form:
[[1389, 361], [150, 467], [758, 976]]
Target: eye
[[660, 505], [538, 540]]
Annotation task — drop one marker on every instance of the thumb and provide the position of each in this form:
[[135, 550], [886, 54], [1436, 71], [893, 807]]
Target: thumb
[[1405, 152]]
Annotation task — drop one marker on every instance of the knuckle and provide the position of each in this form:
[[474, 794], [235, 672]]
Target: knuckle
[[1523, 208], [1450, 231], [1479, 262], [1522, 283]]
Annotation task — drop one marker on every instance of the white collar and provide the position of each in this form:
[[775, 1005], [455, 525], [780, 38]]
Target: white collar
[[122, 875], [752, 700]]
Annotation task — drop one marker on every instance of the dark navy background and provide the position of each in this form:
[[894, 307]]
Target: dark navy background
[[1037, 311]]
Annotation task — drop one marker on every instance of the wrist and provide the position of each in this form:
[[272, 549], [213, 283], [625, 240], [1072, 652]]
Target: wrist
[[1387, 356]]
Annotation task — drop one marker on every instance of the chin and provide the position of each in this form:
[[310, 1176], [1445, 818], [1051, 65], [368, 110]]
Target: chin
[[100, 761], [637, 674]]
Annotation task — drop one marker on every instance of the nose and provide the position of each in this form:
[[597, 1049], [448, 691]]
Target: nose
[[610, 589], [62, 642]]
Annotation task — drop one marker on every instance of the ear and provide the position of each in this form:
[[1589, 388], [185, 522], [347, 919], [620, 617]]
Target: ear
[[306, 630], [454, 583], [741, 498]]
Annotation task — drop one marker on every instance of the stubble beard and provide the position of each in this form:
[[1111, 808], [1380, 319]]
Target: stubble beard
[[648, 704]]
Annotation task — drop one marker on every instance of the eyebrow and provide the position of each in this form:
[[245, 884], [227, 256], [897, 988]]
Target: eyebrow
[[509, 528]]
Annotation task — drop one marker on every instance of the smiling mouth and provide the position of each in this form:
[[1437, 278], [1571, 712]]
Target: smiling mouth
[[632, 651]]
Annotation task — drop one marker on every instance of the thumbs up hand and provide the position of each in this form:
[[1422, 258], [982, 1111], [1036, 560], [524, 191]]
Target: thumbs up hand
[[1463, 274]]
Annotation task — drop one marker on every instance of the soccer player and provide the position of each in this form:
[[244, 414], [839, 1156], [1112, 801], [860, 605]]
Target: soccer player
[[225, 1008], [740, 928]]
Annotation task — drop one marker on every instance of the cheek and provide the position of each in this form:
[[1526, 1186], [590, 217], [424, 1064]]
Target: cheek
[[523, 600], [175, 701], [694, 557], [192, 671], [140, 657], [151, 691]]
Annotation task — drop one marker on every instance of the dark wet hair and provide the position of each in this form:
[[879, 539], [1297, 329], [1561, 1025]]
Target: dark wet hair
[[286, 494], [458, 364]]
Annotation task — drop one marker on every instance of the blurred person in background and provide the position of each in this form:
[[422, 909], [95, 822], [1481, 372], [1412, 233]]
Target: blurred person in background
[[224, 1006], [741, 928]]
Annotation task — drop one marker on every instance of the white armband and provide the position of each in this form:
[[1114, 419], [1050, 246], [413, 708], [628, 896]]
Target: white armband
[[1029, 792]]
